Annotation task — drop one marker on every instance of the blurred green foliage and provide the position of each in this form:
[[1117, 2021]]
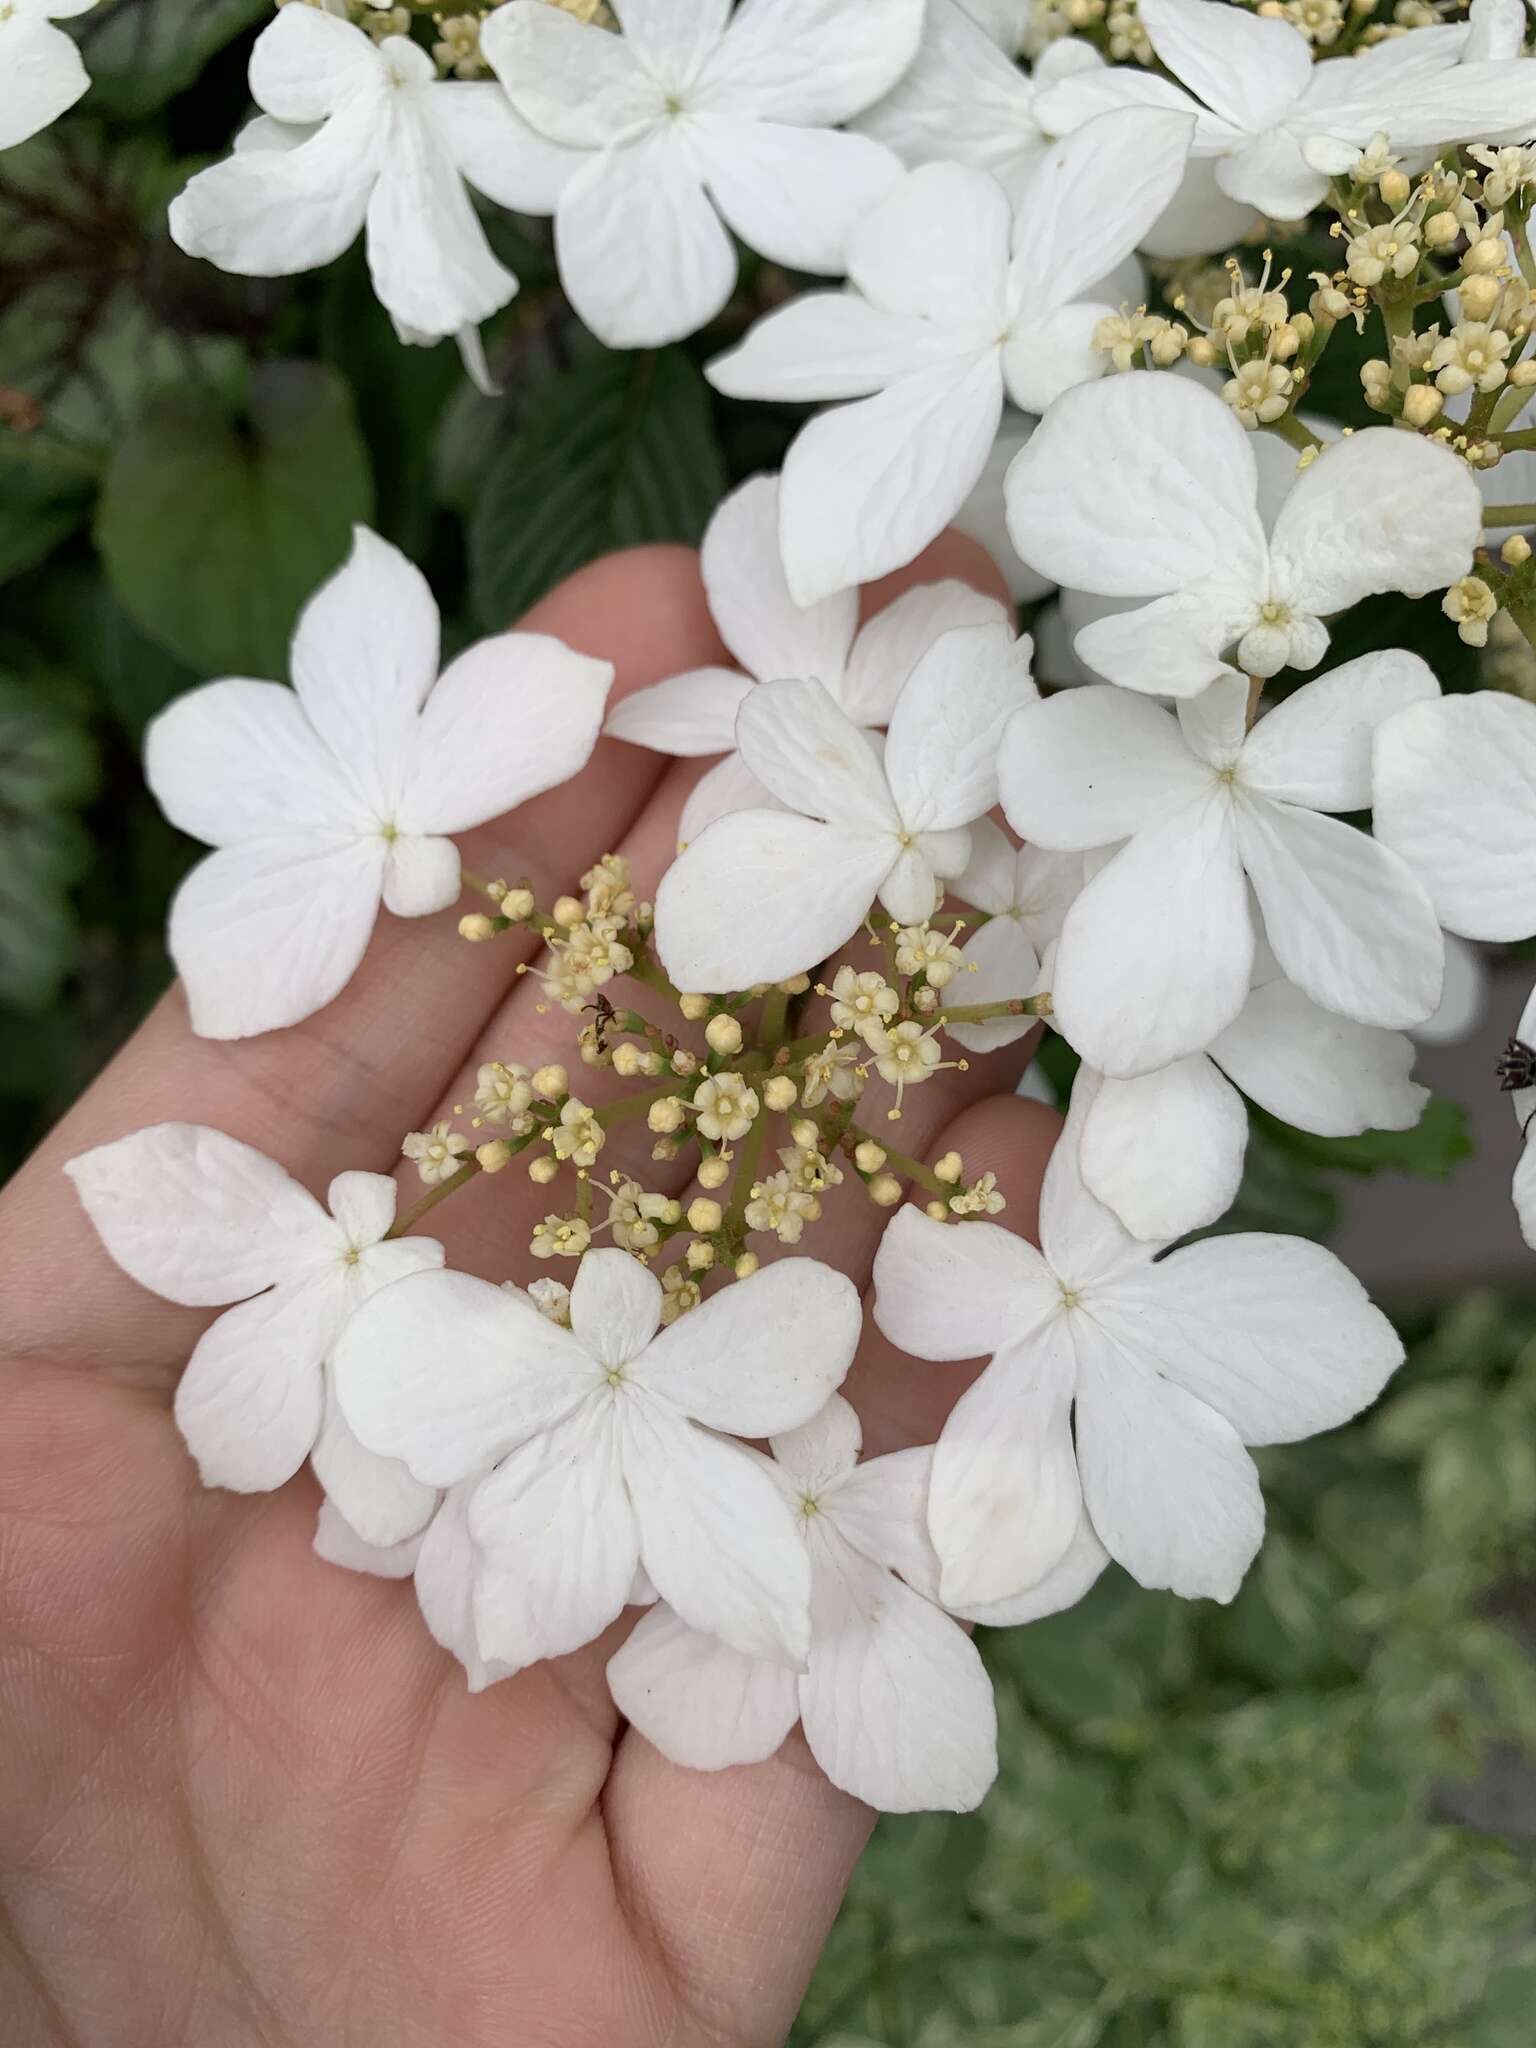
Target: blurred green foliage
[[1252, 1827]]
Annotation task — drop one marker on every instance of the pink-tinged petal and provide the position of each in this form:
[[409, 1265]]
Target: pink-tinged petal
[[447, 1569], [615, 1307], [1156, 954], [558, 1538], [896, 1703], [196, 1216], [251, 1399], [795, 195], [1004, 1501], [828, 345], [701, 1704], [1173, 1495], [448, 1374], [812, 62], [763, 1356], [763, 895], [377, 1497], [941, 754], [1347, 920], [1250, 72], [512, 716], [716, 1535], [950, 1291], [1317, 1070], [769, 634], [1274, 1334]]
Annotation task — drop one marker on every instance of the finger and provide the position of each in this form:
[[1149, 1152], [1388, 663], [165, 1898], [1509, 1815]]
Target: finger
[[338, 1090], [738, 1874]]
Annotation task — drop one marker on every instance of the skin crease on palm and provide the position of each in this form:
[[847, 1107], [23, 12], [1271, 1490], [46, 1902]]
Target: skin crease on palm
[[245, 1798]]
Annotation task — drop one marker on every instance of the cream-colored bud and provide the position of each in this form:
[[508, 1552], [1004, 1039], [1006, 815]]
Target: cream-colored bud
[[746, 1265], [796, 985], [1394, 189], [714, 1172], [694, 1007], [806, 1134], [1422, 403], [700, 1255], [493, 1155], [568, 913], [667, 1115], [518, 904], [885, 1190], [1485, 257], [939, 1211], [949, 1168], [1441, 229], [684, 1062], [704, 1214], [1516, 551], [551, 1082], [1523, 374], [1479, 296], [542, 1169], [628, 1061], [925, 1000], [1303, 326], [1168, 344], [1284, 341], [780, 1093], [723, 1034], [1202, 350], [477, 928], [869, 1157], [1329, 303]]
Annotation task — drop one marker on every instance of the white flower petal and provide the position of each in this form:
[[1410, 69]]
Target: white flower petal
[[250, 1401], [377, 1497], [266, 933], [941, 753], [1084, 1243], [1048, 356], [813, 62], [1165, 1151], [962, 101], [1523, 1194], [449, 1373], [677, 36], [1319, 1071], [615, 1307], [1271, 174], [983, 517], [1274, 1334], [895, 640], [1315, 748], [769, 634], [1156, 953], [1092, 766], [336, 1542], [364, 1205], [991, 877], [1135, 486], [304, 60], [1169, 648], [447, 1567], [559, 1539], [432, 267], [195, 1216], [763, 895], [44, 76], [1455, 796], [497, 151], [761, 1357], [881, 1508], [896, 1703], [1004, 1501], [571, 80], [1172, 1493], [701, 1704], [800, 743], [643, 255], [687, 715], [910, 892], [1092, 200], [949, 1291], [1348, 922], [511, 717], [1247, 70], [1201, 219], [421, 875], [795, 195], [1006, 966], [828, 345], [938, 248], [716, 1535], [1079, 1569], [729, 786], [822, 1451], [867, 486]]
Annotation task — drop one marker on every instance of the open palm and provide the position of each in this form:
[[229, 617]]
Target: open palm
[[245, 1798]]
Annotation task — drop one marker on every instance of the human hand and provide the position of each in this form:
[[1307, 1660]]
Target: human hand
[[247, 1799]]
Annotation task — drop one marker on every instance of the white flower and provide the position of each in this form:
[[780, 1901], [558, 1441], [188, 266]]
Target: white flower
[[603, 1442], [1276, 122], [1455, 797], [1156, 955], [1121, 1381], [895, 1701], [1146, 487], [203, 1220], [694, 114], [359, 136], [1027, 893], [763, 895], [1165, 1150], [326, 799], [41, 73], [984, 515], [957, 300], [1011, 24], [772, 637]]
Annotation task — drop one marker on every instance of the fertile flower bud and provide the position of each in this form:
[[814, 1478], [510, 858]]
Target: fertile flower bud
[[1470, 604], [1421, 404], [805, 1134], [1485, 257], [542, 1169], [747, 1265], [796, 985], [1479, 296], [939, 1211], [723, 1034], [628, 1060], [1202, 350], [493, 1155], [949, 1168], [704, 1215], [477, 928], [780, 1092], [1516, 551], [869, 1157], [551, 1082], [667, 1115], [714, 1172], [568, 913], [700, 1255], [694, 1008], [885, 1190], [1523, 375], [1441, 229], [1395, 188]]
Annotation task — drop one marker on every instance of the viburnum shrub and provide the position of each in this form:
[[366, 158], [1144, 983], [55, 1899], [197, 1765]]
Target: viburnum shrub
[[1028, 261]]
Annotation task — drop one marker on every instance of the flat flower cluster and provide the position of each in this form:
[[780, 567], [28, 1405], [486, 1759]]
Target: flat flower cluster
[[906, 853]]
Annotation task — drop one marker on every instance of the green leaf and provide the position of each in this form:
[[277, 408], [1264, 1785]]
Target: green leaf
[[215, 531], [1432, 1150], [618, 450], [141, 53], [47, 765], [33, 521]]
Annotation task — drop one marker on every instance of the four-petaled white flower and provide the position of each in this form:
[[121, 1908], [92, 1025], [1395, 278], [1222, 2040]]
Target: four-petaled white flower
[[695, 121], [1277, 122], [41, 72], [763, 895], [896, 1704], [356, 135], [772, 637], [1165, 1150], [203, 1220], [1156, 955], [1119, 1379], [325, 799], [1026, 893], [1146, 487], [958, 299], [603, 1442]]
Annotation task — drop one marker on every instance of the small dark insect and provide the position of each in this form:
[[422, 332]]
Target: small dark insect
[[1516, 1067]]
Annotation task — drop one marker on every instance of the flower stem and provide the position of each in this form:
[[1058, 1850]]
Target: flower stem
[[1509, 515], [464, 1175]]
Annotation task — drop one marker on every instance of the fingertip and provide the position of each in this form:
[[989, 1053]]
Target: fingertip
[[951, 555], [643, 609]]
